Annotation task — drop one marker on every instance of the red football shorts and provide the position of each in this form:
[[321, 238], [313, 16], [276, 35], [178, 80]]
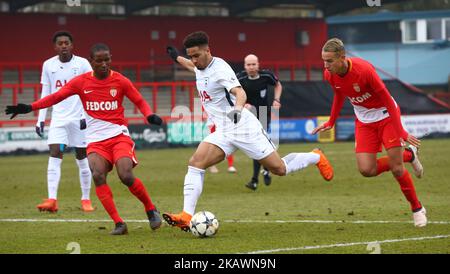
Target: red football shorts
[[369, 137], [114, 148]]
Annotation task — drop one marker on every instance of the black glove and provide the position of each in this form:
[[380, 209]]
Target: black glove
[[234, 115], [40, 129], [19, 109], [173, 52], [83, 124], [154, 119]]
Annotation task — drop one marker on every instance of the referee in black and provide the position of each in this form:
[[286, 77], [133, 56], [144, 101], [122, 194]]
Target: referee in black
[[255, 82]]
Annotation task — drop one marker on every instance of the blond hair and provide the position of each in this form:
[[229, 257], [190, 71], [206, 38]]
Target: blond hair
[[334, 45]]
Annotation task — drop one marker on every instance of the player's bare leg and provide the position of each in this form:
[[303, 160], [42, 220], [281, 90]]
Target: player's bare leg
[[53, 177], [403, 177], [124, 167], [298, 161], [100, 168], [205, 156], [410, 155], [85, 179], [367, 164]]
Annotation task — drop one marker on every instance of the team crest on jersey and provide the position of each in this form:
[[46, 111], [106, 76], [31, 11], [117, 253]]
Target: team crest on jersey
[[113, 92], [356, 87]]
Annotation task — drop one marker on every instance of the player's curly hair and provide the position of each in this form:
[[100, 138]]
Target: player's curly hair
[[334, 45], [198, 38], [62, 33]]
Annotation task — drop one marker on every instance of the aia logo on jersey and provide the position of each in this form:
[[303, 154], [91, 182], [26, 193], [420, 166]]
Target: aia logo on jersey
[[356, 87], [60, 84], [204, 96], [113, 92]]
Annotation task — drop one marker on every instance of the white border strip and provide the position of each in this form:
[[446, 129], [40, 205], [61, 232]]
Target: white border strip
[[346, 244], [225, 221]]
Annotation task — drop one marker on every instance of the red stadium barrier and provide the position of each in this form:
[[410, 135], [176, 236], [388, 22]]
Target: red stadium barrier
[[155, 89], [138, 67]]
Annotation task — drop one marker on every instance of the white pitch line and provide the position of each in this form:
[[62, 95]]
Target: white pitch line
[[332, 221], [346, 244], [225, 221]]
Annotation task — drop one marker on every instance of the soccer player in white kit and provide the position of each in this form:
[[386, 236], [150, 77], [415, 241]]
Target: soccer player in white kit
[[67, 127], [236, 127]]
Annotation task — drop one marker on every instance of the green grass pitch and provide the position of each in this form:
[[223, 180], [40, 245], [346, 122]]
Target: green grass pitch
[[284, 217]]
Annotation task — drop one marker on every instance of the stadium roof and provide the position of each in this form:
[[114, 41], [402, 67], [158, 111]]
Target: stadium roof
[[235, 7], [385, 15]]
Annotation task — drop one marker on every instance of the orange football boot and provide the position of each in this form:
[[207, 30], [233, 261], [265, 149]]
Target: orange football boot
[[86, 206], [325, 168], [50, 205], [181, 220]]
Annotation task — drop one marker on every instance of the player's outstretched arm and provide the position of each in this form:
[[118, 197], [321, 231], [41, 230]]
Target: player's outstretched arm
[[338, 102], [176, 57], [323, 127]]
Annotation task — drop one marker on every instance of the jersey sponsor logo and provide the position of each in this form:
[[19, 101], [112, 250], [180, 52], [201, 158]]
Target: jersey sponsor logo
[[113, 92], [360, 99], [60, 83], [356, 87], [108, 105]]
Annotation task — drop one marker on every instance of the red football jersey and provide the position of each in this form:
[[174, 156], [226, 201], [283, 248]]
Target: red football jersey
[[367, 93], [102, 101]]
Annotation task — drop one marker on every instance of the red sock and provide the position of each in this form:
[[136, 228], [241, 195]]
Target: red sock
[[407, 156], [105, 196], [383, 162], [230, 160], [407, 187], [138, 190]]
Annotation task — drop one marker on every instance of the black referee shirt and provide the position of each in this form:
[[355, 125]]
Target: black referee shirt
[[257, 89]]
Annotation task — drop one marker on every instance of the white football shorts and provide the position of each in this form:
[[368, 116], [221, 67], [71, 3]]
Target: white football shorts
[[68, 133], [256, 143]]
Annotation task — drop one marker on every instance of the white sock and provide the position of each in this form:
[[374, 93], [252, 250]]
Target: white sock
[[193, 186], [85, 178], [299, 161], [53, 176]]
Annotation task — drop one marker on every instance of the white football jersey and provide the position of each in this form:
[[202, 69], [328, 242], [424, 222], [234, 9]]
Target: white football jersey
[[55, 75], [213, 85]]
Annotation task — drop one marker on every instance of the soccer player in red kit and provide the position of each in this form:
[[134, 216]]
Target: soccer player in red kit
[[109, 143], [377, 122]]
